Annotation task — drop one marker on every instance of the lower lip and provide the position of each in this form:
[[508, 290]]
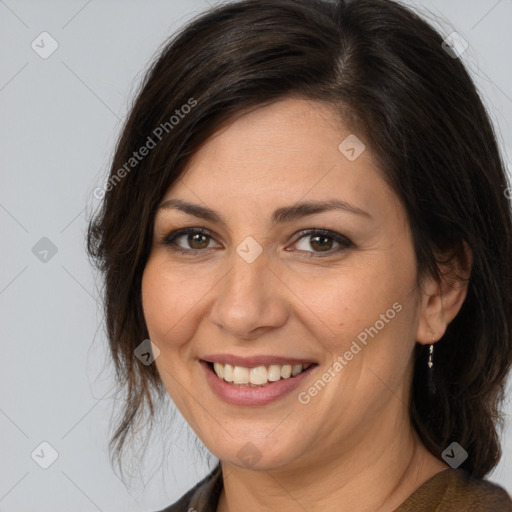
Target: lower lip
[[238, 394]]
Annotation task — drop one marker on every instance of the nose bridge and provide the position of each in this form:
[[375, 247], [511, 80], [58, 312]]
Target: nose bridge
[[247, 280], [247, 299]]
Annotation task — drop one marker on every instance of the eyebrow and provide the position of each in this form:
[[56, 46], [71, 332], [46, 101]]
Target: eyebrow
[[281, 215]]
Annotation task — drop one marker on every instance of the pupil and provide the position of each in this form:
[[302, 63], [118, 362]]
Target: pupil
[[197, 239], [322, 242]]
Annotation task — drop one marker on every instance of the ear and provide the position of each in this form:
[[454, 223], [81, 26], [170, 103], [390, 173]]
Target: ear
[[440, 301]]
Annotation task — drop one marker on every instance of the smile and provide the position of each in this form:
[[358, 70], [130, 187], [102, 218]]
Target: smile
[[258, 376], [255, 381]]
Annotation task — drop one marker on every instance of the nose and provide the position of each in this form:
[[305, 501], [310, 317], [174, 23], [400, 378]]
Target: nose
[[250, 300]]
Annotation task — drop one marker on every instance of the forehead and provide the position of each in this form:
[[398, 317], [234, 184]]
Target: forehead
[[290, 128], [290, 151]]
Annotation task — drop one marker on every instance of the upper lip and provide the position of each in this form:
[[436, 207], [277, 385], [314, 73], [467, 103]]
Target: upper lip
[[254, 361]]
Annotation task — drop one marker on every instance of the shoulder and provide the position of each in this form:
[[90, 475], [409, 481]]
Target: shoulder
[[455, 490], [182, 504], [476, 494], [203, 497]]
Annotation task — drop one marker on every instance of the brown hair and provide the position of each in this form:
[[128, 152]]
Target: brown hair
[[385, 70]]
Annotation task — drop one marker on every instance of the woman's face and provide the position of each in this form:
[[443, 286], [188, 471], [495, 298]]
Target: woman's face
[[257, 290]]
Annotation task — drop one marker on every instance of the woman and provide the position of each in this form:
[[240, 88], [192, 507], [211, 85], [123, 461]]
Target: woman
[[306, 215]]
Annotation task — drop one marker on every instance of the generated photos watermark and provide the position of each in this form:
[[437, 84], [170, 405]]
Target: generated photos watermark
[[342, 361], [151, 142]]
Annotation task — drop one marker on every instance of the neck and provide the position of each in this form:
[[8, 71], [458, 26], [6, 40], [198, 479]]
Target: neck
[[378, 474]]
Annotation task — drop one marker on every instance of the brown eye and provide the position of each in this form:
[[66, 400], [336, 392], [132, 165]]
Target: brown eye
[[190, 240], [318, 241], [321, 243], [198, 241]]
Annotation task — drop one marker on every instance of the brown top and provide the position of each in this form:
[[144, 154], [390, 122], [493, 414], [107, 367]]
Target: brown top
[[451, 490]]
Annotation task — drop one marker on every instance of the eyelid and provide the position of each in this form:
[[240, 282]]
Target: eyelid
[[170, 238], [341, 240]]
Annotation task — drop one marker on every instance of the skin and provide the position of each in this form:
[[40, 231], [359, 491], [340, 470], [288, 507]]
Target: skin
[[352, 447]]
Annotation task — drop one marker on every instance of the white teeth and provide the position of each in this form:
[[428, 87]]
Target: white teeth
[[228, 373], [240, 375], [219, 370], [258, 376], [274, 372], [286, 371], [296, 369]]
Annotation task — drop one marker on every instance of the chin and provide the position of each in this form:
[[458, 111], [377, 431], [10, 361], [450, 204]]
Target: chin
[[257, 453]]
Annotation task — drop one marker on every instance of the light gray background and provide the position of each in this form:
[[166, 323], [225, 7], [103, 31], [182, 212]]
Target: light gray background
[[59, 120]]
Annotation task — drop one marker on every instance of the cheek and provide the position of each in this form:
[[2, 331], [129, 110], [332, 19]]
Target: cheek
[[370, 312], [168, 300], [154, 300], [354, 298]]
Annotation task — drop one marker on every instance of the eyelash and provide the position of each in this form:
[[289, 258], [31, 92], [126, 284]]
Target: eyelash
[[344, 242]]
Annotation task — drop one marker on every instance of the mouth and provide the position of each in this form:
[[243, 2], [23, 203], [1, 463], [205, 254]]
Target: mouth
[[257, 376]]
